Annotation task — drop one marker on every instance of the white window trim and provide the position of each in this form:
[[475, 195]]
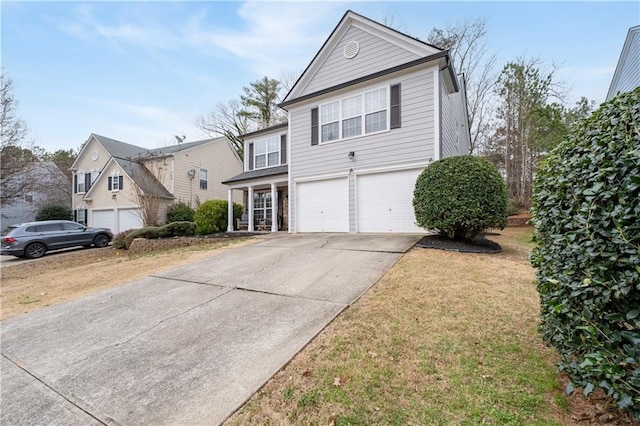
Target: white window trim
[[115, 181], [363, 133], [255, 143], [200, 180], [264, 210], [80, 181]]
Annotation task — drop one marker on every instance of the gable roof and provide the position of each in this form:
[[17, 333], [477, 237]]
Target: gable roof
[[139, 174], [350, 18], [252, 174], [630, 52]]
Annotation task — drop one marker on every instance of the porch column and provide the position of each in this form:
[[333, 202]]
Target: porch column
[[274, 208], [250, 209], [230, 211]]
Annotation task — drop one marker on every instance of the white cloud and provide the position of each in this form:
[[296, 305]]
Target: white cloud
[[275, 37]]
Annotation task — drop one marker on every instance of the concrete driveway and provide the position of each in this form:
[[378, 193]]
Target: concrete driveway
[[188, 346]]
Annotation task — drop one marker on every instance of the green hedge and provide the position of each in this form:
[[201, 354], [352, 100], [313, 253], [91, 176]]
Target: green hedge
[[180, 212], [55, 212], [211, 216], [177, 229], [149, 232], [586, 213], [460, 197]]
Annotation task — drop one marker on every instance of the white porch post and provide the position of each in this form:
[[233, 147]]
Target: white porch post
[[250, 209], [230, 211], [274, 208]]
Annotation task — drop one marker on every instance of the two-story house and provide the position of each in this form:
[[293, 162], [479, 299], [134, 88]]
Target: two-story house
[[122, 186], [369, 113]]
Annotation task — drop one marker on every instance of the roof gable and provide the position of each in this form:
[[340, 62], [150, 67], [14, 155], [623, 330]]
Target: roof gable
[[627, 74], [370, 41]]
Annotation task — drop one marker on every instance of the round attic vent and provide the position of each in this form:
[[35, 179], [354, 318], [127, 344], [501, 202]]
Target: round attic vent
[[351, 49]]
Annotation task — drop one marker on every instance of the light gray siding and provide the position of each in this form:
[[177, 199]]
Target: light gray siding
[[454, 132], [627, 74], [412, 143], [375, 55]]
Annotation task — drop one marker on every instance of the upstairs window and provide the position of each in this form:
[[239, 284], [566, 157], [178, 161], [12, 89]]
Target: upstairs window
[[267, 152], [115, 182], [203, 179], [368, 112]]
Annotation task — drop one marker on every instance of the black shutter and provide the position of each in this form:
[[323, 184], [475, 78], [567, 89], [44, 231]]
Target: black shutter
[[314, 126], [109, 183], [395, 106], [75, 184], [86, 219], [87, 182], [283, 149], [75, 215], [251, 156], [120, 182]]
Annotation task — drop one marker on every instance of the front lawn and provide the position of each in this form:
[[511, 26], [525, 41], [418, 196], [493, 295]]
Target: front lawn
[[442, 338]]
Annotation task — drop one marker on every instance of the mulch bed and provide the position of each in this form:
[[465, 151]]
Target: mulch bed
[[478, 245]]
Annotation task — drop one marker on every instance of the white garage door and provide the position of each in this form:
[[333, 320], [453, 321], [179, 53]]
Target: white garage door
[[103, 219], [323, 206], [129, 219], [385, 202]]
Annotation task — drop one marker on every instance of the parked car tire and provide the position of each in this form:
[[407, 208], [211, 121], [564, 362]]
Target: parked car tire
[[101, 240], [35, 251]]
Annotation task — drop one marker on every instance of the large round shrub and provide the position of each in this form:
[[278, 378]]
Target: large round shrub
[[211, 216], [460, 197], [55, 212], [180, 212], [586, 213]]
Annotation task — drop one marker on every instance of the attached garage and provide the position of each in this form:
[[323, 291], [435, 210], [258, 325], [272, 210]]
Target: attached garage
[[385, 201], [102, 219], [116, 220], [323, 205]]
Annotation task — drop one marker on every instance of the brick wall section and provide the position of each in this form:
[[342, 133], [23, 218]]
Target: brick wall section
[[142, 245]]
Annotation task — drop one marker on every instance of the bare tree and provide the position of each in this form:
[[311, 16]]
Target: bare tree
[[226, 120], [149, 192], [15, 158], [256, 109], [471, 57]]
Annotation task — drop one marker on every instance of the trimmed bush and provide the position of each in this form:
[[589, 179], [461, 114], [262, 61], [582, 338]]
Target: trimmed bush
[[149, 232], [119, 239], [180, 212], [586, 213], [55, 212], [211, 216], [177, 229], [460, 197]]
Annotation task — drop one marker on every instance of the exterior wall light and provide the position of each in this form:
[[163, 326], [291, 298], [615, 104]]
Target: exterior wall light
[[351, 155]]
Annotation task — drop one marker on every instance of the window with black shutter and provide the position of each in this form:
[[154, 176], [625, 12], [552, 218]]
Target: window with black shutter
[[314, 126], [394, 120]]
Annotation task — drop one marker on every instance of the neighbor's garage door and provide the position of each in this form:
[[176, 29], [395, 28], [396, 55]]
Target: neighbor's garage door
[[103, 219], [385, 202], [129, 219], [323, 206]]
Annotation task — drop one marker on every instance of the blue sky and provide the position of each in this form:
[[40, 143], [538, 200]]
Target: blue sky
[[142, 72]]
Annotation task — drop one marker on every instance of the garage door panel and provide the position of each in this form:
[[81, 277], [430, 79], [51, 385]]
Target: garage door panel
[[385, 202], [129, 219], [323, 206], [103, 219]]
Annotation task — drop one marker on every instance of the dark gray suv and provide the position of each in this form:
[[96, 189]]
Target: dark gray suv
[[34, 239]]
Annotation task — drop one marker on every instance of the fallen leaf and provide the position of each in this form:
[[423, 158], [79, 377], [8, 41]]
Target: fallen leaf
[[336, 382]]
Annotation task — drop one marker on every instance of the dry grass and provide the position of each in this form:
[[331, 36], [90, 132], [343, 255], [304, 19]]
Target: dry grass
[[63, 276], [442, 338]]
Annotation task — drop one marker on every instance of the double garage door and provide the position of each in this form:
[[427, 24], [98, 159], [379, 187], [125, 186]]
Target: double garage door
[[383, 203], [116, 220]]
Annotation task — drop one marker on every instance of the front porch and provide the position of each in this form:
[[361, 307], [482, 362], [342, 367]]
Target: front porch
[[265, 201]]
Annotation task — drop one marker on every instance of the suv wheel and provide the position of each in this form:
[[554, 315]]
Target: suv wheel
[[35, 250], [101, 241]]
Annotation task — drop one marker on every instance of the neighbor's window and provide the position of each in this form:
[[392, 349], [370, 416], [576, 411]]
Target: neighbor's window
[[115, 182], [353, 116], [203, 179]]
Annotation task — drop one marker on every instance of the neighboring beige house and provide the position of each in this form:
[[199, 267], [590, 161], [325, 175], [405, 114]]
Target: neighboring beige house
[[627, 74], [370, 112], [121, 186]]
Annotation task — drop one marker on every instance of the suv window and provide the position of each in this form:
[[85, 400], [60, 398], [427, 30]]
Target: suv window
[[35, 228], [71, 226], [50, 227], [9, 229]]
